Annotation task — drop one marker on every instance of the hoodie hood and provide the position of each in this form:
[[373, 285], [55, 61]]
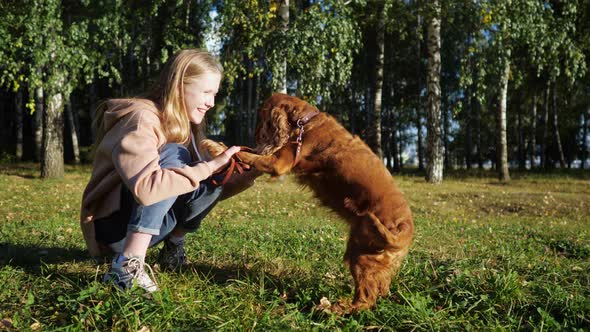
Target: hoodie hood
[[118, 108]]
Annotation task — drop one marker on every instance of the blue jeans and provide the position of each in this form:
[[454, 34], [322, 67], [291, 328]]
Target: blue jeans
[[159, 219]]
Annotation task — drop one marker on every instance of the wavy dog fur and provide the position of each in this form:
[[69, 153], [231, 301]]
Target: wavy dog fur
[[346, 176]]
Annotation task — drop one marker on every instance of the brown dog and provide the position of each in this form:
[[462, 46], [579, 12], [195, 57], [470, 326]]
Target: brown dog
[[346, 176]]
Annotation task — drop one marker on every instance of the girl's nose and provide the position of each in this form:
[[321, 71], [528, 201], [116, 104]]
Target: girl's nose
[[210, 102]]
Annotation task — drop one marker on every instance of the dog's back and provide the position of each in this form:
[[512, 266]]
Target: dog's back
[[340, 167]]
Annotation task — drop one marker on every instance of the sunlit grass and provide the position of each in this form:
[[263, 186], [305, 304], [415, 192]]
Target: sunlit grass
[[486, 256]]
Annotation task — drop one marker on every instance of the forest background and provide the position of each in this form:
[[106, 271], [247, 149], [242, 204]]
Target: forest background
[[429, 84], [439, 88]]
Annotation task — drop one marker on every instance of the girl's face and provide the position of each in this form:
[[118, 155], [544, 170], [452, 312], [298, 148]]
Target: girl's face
[[199, 95]]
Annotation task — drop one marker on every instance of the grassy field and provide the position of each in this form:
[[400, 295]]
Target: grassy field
[[486, 256]]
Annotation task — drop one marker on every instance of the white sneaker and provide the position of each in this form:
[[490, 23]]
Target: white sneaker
[[129, 271]]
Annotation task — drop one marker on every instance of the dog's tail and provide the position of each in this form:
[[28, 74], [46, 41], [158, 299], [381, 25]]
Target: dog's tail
[[400, 240]]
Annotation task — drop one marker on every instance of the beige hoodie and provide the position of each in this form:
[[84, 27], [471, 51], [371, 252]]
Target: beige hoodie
[[128, 154]]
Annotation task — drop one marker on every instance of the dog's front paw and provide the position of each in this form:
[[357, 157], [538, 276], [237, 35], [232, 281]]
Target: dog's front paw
[[212, 147]]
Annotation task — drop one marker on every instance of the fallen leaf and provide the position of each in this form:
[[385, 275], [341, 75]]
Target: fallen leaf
[[6, 322]]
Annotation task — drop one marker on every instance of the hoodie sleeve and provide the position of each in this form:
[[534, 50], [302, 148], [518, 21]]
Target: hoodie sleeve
[[136, 159]]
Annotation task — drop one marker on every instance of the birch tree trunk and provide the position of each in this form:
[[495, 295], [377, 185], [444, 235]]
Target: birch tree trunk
[[434, 147], [419, 139], [544, 149], [375, 141], [468, 140], [282, 74], [255, 112], [418, 119], [556, 129], [533, 138], [353, 109], [19, 124], [52, 162], [38, 122], [73, 134], [586, 124], [393, 149], [520, 135], [477, 109], [249, 105], [445, 134], [502, 144]]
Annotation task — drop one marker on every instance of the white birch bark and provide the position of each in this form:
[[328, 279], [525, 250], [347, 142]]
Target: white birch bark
[[434, 146]]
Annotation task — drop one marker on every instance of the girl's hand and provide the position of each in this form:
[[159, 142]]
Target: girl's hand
[[223, 158]]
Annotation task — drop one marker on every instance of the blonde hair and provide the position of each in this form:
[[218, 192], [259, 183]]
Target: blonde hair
[[168, 94]]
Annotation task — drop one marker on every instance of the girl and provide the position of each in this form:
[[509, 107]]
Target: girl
[[150, 183]]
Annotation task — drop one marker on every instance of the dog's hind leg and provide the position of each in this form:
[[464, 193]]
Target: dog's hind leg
[[374, 257]]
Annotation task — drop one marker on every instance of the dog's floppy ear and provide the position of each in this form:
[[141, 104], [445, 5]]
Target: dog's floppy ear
[[280, 124]]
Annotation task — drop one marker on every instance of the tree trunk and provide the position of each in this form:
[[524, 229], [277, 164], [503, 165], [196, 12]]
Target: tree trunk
[[282, 74], [585, 137], [368, 113], [544, 148], [533, 138], [478, 141], [249, 105], [38, 122], [52, 163], [256, 103], [19, 124], [556, 129], [434, 147], [400, 149], [445, 135], [418, 119], [73, 133], [502, 144], [468, 139], [419, 139], [393, 149], [387, 137], [353, 108], [378, 86], [243, 115], [520, 135]]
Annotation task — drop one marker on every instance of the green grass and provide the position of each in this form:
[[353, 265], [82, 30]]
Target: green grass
[[486, 256]]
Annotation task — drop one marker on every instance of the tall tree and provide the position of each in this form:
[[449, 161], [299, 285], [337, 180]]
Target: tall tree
[[282, 72], [53, 55], [69, 114], [502, 144], [418, 117], [375, 141], [533, 129], [19, 124], [434, 147]]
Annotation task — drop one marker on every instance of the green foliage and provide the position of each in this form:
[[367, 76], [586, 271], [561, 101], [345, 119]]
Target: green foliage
[[486, 256], [318, 45], [542, 33], [321, 46]]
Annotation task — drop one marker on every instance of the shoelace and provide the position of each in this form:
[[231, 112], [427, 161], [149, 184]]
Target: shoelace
[[138, 267]]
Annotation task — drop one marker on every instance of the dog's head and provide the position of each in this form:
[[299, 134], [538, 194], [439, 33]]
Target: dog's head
[[277, 119]]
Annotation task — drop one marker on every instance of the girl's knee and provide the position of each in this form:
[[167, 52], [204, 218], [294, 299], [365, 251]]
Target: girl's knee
[[174, 155]]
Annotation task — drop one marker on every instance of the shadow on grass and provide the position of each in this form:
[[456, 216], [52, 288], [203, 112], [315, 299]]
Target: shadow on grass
[[30, 170], [305, 291], [27, 171], [30, 258]]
